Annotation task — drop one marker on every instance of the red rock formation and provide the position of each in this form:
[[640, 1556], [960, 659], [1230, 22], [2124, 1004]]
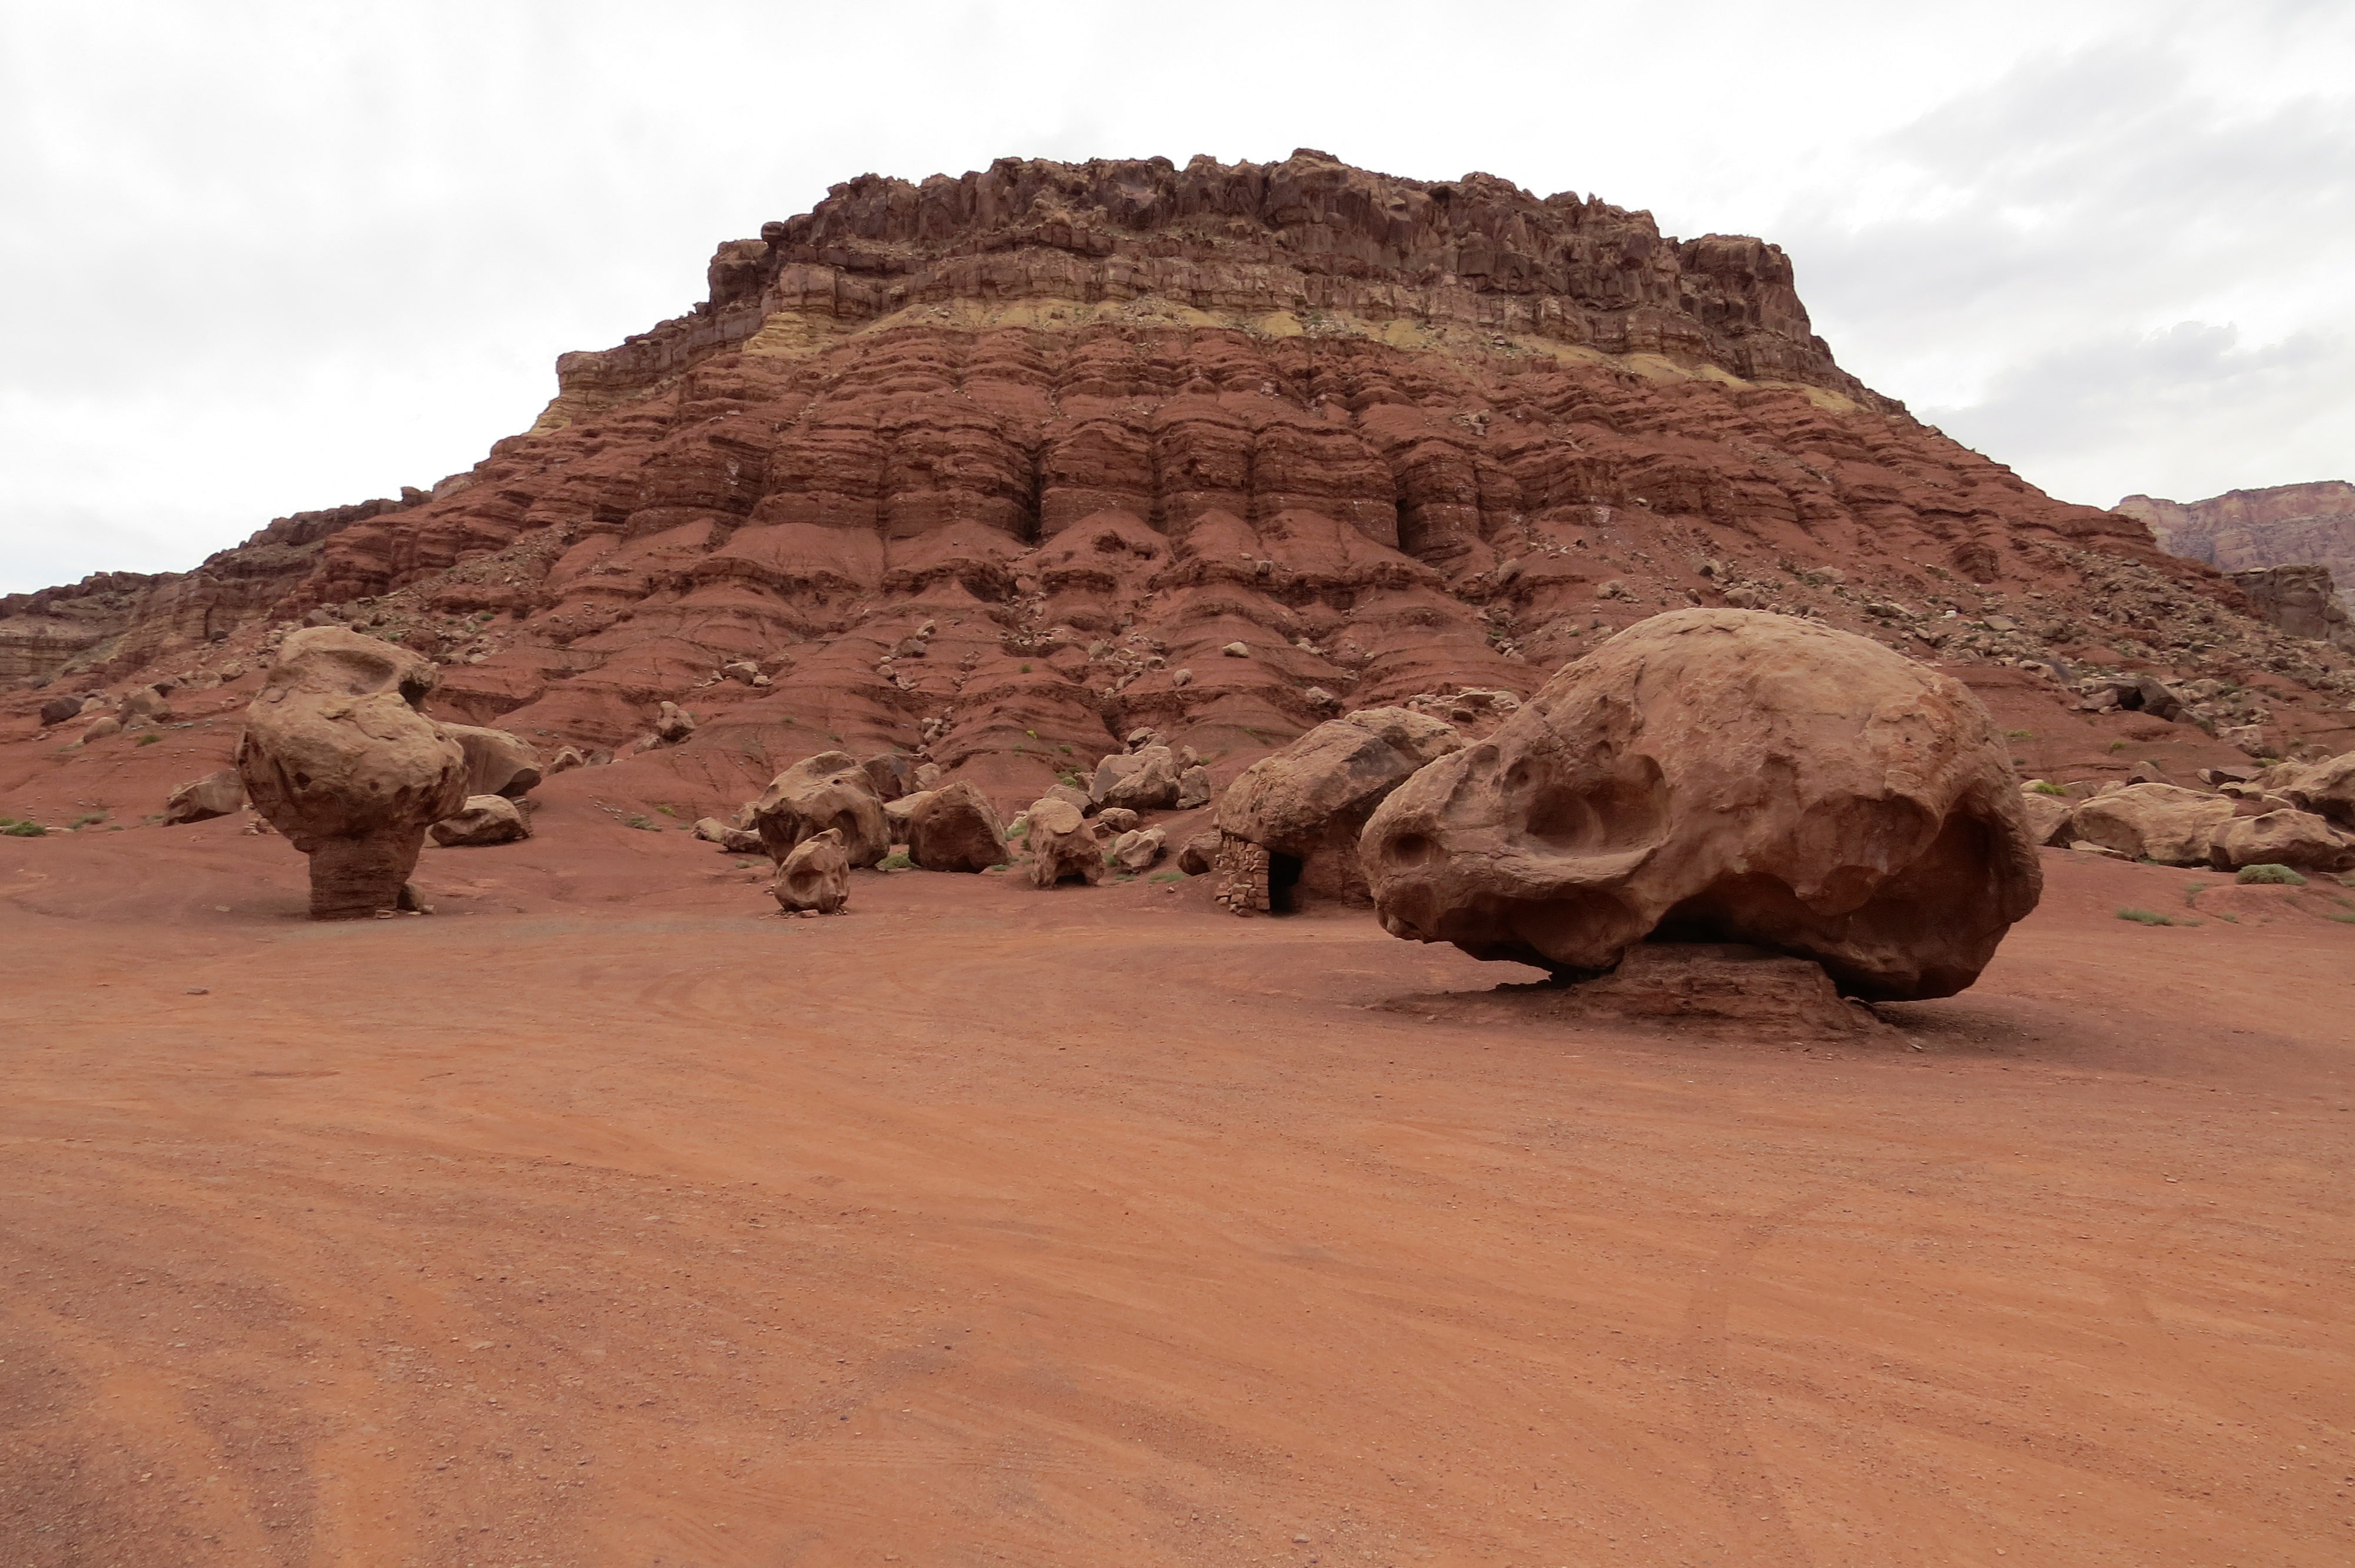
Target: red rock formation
[[991, 470], [2244, 530]]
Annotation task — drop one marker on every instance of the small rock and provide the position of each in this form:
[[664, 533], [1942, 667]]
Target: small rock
[[1235, 650], [1182, 677]]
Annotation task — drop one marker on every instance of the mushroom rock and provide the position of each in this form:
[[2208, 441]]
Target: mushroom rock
[[828, 791], [1062, 844], [202, 800], [816, 875], [1721, 776], [484, 820], [497, 762], [338, 757], [1305, 805], [956, 829]]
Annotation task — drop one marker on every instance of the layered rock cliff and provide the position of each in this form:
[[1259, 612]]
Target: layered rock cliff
[[2244, 530], [995, 469]]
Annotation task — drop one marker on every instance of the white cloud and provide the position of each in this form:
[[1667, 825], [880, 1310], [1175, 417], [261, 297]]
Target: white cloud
[[265, 256]]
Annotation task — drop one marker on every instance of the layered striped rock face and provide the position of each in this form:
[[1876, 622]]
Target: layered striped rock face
[[999, 468]]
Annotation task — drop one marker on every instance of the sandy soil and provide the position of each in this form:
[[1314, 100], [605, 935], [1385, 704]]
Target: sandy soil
[[603, 1219]]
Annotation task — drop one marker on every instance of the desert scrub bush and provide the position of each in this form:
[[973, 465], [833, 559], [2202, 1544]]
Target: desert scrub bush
[[896, 860], [1170, 876], [2280, 875], [2019, 735], [2192, 890], [1019, 832], [88, 820], [670, 812], [2344, 919], [2150, 917], [24, 831], [644, 823], [2044, 786], [148, 740]]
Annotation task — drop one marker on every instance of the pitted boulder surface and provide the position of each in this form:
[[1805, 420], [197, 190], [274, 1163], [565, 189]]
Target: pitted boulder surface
[[829, 790], [1721, 776]]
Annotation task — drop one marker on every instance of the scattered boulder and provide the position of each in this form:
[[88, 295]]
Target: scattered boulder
[[830, 791], [1072, 793], [928, 776], [673, 725], [145, 702], [957, 829], [1235, 650], [98, 728], [1141, 780], [566, 759], [57, 710], [2163, 822], [1193, 787], [1137, 849], [731, 840], [202, 800], [1200, 853], [1306, 804], [484, 821], [497, 762], [2325, 789], [2299, 839], [1116, 820], [338, 756], [1062, 844], [897, 813], [891, 775], [2047, 815], [814, 876], [1721, 776]]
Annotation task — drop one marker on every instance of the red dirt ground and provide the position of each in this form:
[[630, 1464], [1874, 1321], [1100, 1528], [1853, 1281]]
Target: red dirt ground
[[603, 1218]]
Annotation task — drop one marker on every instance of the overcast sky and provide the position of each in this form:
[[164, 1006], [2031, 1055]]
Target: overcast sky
[[263, 258]]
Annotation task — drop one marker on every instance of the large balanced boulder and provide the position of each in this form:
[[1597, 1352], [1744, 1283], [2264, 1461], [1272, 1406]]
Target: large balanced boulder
[[1062, 844], [2164, 823], [484, 821], [956, 829], [814, 876], [1306, 804], [1721, 776], [201, 800], [338, 757], [497, 762], [2299, 839], [830, 791]]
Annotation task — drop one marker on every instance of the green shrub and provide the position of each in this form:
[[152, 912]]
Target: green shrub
[[2192, 890], [2144, 916], [2344, 919], [24, 831], [2019, 735], [148, 740], [2044, 786], [1025, 669], [89, 821], [897, 861], [1021, 832], [668, 812], [646, 824], [2280, 875]]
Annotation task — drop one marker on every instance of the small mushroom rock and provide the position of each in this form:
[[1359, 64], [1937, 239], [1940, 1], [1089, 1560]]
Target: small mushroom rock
[[338, 757], [1307, 804], [957, 829], [202, 800], [484, 820], [1721, 776], [1062, 843], [828, 791], [815, 876]]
